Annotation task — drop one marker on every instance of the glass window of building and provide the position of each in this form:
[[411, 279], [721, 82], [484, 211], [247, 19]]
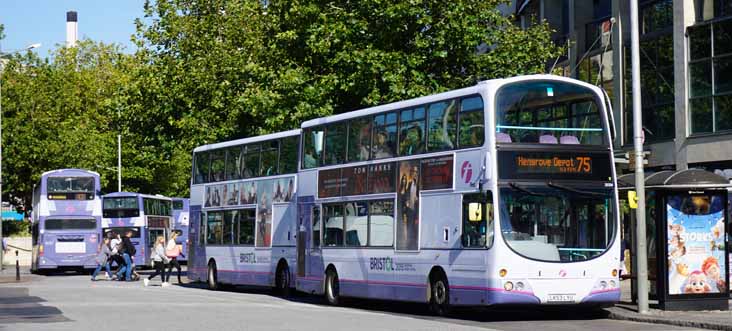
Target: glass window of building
[[312, 155], [411, 131], [441, 125], [335, 144], [385, 136], [710, 66], [472, 129], [359, 139]]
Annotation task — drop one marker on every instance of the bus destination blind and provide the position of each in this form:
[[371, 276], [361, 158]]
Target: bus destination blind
[[555, 165]]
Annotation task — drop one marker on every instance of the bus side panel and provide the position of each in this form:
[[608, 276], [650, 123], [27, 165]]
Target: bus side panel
[[242, 265]]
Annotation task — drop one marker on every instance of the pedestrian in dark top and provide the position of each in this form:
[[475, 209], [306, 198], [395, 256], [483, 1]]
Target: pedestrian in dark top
[[159, 260], [128, 250], [173, 250], [103, 260]]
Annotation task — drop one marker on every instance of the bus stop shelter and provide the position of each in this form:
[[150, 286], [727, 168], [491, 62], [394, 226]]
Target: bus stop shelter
[[686, 223]]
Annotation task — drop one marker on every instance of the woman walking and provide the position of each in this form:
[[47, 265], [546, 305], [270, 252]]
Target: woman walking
[[159, 261], [173, 250], [103, 259]]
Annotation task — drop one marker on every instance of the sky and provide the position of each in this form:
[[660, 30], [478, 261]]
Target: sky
[[44, 21]]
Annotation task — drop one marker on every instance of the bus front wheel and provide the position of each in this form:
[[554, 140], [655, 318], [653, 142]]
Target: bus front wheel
[[212, 280], [439, 295], [332, 288]]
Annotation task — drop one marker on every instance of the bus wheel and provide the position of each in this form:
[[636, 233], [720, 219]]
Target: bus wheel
[[212, 280], [282, 281], [439, 295], [332, 289]]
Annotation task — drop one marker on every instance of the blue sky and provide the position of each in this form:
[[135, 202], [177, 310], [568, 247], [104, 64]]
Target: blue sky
[[44, 21]]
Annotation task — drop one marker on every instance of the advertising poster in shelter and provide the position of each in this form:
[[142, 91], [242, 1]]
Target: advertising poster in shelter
[[407, 230], [231, 193], [264, 213], [248, 193], [696, 244]]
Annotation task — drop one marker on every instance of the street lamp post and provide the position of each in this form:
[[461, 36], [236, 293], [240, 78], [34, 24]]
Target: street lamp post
[[29, 47]]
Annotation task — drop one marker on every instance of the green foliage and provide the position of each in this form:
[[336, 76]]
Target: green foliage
[[16, 228], [212, 70]]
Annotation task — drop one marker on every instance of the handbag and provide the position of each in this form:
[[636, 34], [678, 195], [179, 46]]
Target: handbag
[[172, 252]]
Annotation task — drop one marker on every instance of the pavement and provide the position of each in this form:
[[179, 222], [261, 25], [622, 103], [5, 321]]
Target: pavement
[[72, 302], [709, 319]]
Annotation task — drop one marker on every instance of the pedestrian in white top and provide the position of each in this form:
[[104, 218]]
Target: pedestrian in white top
[[159, 261], [172, 250]]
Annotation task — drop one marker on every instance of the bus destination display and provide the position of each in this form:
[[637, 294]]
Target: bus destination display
[[581, 164], [554, 165]]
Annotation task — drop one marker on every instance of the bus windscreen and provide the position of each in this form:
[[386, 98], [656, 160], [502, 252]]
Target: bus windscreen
[[70, 224], [120, 207]]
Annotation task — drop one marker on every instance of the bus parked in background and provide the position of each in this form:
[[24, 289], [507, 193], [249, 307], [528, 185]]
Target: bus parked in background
[[242, 229], [66, 220], [181, 221], [500, 193], [145, 216]]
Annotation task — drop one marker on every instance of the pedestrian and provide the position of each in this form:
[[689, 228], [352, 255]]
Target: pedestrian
[[173, 250], [115, 245], [128, 250], [159, 261], [103, 260]]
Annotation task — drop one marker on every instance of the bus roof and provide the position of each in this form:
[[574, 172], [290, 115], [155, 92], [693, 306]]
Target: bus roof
[[134, 194], [493, 83], [68, 172], [295, 132]]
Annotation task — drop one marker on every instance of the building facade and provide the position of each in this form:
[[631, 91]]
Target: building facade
[[685, 64]]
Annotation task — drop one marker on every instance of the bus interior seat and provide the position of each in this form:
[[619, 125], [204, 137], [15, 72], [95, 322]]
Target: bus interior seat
[[569, 140], [548, 139], [503, 137]]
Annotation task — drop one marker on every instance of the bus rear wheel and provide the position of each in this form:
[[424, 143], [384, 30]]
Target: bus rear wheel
[[439, 295], [282, 281], [332, 288], [212, 280]]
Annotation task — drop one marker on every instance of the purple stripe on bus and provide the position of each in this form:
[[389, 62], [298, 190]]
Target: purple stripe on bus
[[605, 291], [383, 283]]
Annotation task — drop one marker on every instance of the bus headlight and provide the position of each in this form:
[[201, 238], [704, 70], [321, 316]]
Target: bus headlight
[[613, 284], [519, 286], [603, 285], [508, 286]]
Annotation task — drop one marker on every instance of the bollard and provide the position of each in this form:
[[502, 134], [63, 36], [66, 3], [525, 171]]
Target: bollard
[[17, 267]]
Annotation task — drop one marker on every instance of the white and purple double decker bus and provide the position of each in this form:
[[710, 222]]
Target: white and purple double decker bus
[[243, 209], [66, 220], [145, 216], [181, 222], [501, 193]]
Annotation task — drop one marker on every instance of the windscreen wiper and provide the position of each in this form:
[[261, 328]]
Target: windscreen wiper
[[574, 190], [519, 188]]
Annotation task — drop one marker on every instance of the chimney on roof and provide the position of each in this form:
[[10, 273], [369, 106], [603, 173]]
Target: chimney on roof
[[71, 28]]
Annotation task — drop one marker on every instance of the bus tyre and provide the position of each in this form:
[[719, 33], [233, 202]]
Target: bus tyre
[[439, 295], [282, 281], [212, 279], [332, 288]]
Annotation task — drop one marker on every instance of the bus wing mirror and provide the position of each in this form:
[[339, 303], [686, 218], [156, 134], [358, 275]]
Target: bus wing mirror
[[610, 115], [475, 211]]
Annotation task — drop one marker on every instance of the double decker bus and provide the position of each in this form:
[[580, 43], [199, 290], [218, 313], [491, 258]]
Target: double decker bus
[[500, 193], [65, 220], [181, 222], [243, 209], [145, 216]]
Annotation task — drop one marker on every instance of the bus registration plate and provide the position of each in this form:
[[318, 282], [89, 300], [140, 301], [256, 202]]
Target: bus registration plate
[[560, 298]]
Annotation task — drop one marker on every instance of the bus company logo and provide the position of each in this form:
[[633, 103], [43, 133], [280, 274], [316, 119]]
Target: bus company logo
[[562, 273], [248, 258], [381, 264], [466, 172], [70, 209]]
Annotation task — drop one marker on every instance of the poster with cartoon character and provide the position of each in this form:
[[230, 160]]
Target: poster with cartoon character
[[696, 247]]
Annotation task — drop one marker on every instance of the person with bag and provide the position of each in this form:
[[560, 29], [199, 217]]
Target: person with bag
[[103, 260], [159, 261], [128, 250], [173, 250]]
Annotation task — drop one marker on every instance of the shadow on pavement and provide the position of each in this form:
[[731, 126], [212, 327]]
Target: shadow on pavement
[[17, 306], [420, 310]]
